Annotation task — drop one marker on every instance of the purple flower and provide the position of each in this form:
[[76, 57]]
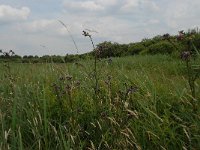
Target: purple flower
[[181, 35], [185, 55]]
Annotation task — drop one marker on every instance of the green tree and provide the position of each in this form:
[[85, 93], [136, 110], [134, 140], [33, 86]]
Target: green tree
[[163, 47], [135, 48]]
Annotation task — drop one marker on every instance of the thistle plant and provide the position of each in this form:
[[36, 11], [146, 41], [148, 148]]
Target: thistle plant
[[86, 34], [63, 89], [191, 57]]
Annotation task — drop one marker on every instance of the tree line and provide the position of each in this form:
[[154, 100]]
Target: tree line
[[162, 44]]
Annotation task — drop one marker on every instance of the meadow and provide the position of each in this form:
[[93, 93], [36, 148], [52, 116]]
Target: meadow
[[142, 102]]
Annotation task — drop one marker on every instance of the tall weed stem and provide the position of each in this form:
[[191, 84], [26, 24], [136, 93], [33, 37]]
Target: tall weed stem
[[95, 62]]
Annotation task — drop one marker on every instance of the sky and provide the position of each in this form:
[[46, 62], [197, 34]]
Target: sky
[[32, 27]]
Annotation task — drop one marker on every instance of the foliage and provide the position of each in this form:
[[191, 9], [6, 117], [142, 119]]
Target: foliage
[[196, 41], [136, 48], [191, 56], [142, 104], [71, 58], [166, 44], [109, 49], [163, 47]]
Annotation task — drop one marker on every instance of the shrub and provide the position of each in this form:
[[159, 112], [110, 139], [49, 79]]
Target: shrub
[[71, 58], [106, 49], [148, 42], [197, 41], [136, 48], [163, 47]]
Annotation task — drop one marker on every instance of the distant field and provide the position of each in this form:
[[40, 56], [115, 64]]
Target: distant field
[[143, 102]]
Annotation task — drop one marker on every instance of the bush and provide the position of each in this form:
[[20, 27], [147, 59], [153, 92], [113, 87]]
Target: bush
[[197, 41], [163, 47], [136, 48], [71, 58], [148, 42]]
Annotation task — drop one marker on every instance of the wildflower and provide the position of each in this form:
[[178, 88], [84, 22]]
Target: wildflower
[[185, 55], [86, 34], [103, 114], [68, 87], [61, 78], [132, 89], [77, 83], [69, 78], [181, 35]]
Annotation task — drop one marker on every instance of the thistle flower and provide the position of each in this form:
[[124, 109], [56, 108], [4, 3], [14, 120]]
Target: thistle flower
[[61, 78], [68, 87], [132, 89], [69, 78], [95, 62], [77, 83], [86, 33], [181, 35], [185, 55]]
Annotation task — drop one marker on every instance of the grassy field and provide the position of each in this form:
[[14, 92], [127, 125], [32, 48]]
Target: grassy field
[[143, 102]]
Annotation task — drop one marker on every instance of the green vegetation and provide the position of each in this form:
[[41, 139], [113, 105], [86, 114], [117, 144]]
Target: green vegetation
[[166, 44], [148, 100], [143, 102]]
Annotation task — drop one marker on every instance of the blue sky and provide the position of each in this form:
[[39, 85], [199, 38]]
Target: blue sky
[[25, 25]]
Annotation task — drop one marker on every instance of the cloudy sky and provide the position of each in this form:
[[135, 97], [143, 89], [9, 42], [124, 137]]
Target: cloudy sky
[[31, 27]]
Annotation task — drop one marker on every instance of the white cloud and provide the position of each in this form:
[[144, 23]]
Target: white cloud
[[36, 25], [181, 14], [153, 21], [10, 14], [120, 21], [152, 6], [106, 3], [131, 5], [89, 5], [83, 5], [49, 27]]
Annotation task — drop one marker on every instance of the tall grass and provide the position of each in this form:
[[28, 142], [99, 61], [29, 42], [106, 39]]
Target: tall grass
[[144, 102]]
